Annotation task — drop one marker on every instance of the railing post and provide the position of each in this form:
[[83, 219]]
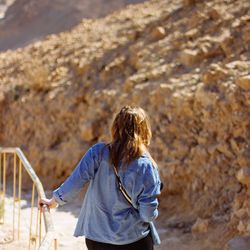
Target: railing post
[[40, 227], [14, 195], [37, 222], [31, 214], [19, 195], [55, 244], [4, 184], [1, 190]]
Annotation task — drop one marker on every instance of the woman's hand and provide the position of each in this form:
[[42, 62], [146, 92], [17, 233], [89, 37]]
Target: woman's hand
[[50, 203]]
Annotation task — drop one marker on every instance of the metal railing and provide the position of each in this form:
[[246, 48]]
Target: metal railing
[[36, 240]]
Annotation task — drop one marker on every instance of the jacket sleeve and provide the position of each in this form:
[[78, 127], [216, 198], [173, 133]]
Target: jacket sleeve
[[84, 171], [150, 189]]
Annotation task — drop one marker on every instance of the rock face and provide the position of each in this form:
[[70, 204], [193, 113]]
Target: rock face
[[26, 21], [186, 62]]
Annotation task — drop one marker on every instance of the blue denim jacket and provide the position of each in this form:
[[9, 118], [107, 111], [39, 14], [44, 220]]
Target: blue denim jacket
[[105, 215]]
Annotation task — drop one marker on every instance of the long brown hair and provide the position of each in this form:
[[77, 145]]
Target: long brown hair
[[131, 135]]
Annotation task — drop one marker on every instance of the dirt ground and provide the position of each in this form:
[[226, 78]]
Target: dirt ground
[[175, 234]]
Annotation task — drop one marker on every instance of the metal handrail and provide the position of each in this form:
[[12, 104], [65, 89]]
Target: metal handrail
[[50, 235]]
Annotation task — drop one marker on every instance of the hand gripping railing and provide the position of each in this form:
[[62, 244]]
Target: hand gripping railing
[[19, 162]]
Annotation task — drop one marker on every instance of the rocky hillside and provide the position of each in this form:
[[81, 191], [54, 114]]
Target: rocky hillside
[[186, 62], [26, 21]]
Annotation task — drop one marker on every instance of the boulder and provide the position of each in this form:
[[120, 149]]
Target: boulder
[[158, 33], [244, 82], [215, 74], [243, 175], [190, 57]]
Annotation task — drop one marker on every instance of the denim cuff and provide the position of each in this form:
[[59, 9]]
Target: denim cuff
[[58, 194]]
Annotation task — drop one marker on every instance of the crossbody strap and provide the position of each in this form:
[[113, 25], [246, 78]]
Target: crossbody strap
[[121, 188], [154, 234]]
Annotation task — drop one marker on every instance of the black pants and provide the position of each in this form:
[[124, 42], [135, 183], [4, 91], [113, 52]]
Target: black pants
[[143, 244]]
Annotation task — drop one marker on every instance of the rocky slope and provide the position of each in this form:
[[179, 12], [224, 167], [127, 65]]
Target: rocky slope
[[186, 62], [26, 21]]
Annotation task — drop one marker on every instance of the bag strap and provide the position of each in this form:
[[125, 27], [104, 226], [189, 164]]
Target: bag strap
[[121, 188]]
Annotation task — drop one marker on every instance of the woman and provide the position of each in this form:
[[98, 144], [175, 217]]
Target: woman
[[107, 220]]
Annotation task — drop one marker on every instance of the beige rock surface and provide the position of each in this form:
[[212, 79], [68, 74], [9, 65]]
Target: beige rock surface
[[244, 82], [59, 95]]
